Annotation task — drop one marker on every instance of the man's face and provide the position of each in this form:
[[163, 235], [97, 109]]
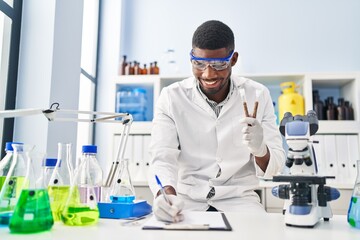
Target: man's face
[[214, 83]]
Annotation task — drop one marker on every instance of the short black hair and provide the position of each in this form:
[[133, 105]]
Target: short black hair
[[213, 35]]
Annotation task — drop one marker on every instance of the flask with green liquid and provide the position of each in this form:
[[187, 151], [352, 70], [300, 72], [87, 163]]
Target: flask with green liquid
[[12, 175], [57, 174], [81, 206], [32, 211], [353, 216]]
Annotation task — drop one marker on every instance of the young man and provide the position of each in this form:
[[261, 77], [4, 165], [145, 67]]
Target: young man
[[204, 149]]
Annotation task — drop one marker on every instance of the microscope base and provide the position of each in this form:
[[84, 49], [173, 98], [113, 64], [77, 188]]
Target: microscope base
[[308, 220]]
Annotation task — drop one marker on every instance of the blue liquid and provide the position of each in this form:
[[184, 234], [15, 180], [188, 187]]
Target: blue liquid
[[353, 216], [122, 199]]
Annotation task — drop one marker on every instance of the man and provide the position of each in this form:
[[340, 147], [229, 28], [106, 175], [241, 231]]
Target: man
[[204, 149]]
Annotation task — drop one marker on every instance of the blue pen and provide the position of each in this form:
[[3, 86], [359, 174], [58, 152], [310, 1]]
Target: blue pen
[[162, 190]]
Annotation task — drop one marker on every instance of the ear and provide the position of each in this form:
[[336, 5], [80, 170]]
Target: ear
[[234, 58]]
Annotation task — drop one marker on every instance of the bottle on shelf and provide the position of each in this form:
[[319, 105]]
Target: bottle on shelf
[[318, 105], [156, 68], [353, 215], [151, 68], [128, 68], [85, 192], [341, 115], [122, 66], [32, 212], [144, 70], [290, 100], [137, 68], [331, 109], [349, 111], [12, 179]]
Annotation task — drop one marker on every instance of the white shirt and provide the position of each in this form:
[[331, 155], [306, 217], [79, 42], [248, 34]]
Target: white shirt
[[190, 144]]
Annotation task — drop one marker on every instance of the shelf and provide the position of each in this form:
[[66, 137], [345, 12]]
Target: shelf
[[338, 127], [136, 128], [137, 79]]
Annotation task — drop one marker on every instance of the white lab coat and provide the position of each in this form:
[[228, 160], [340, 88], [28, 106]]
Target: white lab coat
[[190, 144]]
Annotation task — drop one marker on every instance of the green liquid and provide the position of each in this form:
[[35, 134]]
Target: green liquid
[[58, 196], [79, 216], [32, 212], [11, 191], [77, 212]]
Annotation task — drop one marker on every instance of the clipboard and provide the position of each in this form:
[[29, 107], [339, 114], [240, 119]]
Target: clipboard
[[193, 221]]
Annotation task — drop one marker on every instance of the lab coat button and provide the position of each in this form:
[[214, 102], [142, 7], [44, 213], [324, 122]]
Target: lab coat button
[[210, 202]]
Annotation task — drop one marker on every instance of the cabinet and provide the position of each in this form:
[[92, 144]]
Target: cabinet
[[338, 147]]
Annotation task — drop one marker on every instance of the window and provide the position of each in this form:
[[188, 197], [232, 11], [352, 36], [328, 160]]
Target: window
[[10, 23], [88, 76]]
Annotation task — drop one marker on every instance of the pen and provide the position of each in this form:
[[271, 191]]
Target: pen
[[162, 190]]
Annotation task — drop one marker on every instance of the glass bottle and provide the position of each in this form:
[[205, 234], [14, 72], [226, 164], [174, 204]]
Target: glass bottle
[[32, 212], [12, 179], [156, 68], [122, 190], [341, 109], [144, 70], [122, 66], [151, 68], [353, 216], [81, 206], [331, 109], [349, 111], [318, 105]]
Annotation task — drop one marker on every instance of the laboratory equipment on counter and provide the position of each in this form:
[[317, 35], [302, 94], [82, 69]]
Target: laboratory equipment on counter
[[353, 215], [54, 113], [122, 196], [290, 100], [81, 205], [57, 178], [306, 197], [122, 190], [12, 179], [120, 200], [32, 211]]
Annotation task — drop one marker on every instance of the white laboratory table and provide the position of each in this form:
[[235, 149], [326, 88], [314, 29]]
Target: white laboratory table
[[268, 226]]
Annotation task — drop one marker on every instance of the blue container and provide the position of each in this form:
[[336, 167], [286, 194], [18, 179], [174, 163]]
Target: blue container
[[132, 101]]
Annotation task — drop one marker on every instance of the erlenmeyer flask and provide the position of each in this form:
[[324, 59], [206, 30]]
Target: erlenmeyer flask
[[122, 190], [12, 176], [81, 206], [353, 216], [32, 212], [58, 180]]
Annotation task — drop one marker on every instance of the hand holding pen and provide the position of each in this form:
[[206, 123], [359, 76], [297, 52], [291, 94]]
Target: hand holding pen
[[167, 207]]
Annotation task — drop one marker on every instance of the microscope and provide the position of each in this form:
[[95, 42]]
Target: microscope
[[306, 196]]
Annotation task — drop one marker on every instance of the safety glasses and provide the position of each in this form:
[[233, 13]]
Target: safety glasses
[[216, 63]]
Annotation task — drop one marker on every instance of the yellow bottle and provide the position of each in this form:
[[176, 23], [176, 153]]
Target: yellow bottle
[[290, 100]]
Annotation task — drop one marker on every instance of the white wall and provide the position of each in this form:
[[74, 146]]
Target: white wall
[[49, 70], [271, 35], [109, 44]]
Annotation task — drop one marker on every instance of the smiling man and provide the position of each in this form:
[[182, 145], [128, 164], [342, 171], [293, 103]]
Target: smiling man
[[207, 152]]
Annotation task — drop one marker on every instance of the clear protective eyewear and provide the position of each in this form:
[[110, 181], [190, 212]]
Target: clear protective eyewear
[[218, 64]]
